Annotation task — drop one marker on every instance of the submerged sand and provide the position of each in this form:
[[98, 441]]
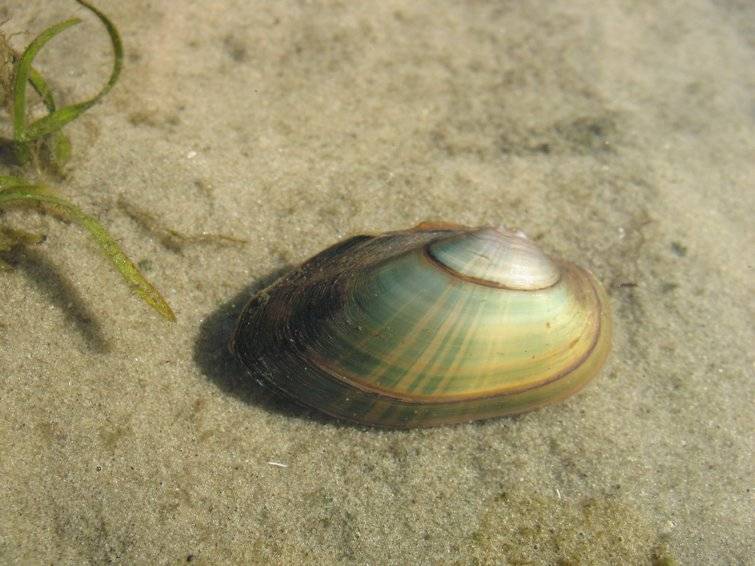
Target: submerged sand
[[618, 134]]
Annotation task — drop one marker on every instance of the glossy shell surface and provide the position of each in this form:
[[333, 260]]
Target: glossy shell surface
[[434, 325]]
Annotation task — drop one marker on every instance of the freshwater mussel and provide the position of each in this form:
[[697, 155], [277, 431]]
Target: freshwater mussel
[[433, 325]]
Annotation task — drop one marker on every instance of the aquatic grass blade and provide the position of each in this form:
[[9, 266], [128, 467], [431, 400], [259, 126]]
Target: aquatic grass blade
[[20, 195], [60, 148], [24, 71], [60, 117], [115, 40], [9, 181], [39, 84]]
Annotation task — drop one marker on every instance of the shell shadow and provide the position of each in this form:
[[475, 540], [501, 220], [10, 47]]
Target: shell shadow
[[221, 367]]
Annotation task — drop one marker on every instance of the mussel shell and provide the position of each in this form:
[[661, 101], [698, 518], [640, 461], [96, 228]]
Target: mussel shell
[[377, 330]]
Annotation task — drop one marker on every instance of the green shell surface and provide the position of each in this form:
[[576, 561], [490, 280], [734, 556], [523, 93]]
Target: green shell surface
[[400, 330]]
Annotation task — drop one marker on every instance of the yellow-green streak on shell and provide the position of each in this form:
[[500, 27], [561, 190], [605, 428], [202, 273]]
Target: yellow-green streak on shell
[[377, 330]]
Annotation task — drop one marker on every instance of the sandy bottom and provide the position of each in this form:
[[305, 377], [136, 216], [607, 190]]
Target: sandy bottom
[[617, 134]]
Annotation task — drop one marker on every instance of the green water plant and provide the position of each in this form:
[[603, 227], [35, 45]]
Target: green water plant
[[40, 145]]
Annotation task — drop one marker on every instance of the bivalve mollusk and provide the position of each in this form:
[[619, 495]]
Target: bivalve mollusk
[[434, 325]]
